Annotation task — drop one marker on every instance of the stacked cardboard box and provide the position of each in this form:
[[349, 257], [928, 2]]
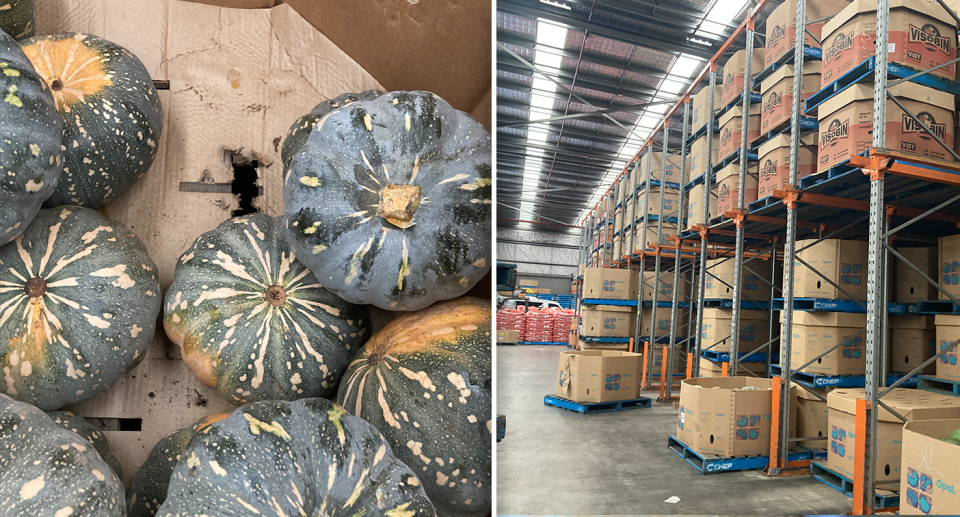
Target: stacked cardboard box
[[782, 26], [731, 129], [777, 94], [695, 205], [812, 416], [648, 203], [734, 71], [948, 331], [949, 265], [842, 261], [653, 161], [700, 101], [591, 376], [728, 180], [909, 286], [928, 488], [755, 280], [774, 164], [712, 370], [717, 328], [611, 284], [510, 337], [911, 404], [664, 287], [608, 321], [651, 233], [913, 340], [816, 332], [698, 155]]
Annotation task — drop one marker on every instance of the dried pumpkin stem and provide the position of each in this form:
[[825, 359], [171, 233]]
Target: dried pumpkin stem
[[35, 287], [398, 203], [276, 296]]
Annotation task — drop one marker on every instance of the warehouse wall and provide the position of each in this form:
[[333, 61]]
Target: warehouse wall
[[539, 253], [556, 284]]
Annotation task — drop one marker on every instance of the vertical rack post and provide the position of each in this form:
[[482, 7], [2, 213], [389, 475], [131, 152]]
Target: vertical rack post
[[632, 183], [608, 228], [674, 307], [707, 179], [664, 148], [643, 248], [615, 195], [741, 201]]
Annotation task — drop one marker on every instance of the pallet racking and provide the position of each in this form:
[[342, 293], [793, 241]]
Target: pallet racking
[[883, 191]]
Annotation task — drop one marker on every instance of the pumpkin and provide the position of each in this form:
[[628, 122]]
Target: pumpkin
[[30, 148], [49, 471], [253, 322], [149, 488], [111, 112], [306, 457], [16, 18], [70, 422], [389, 201], [300, 130], [424, 381], [79, 300]]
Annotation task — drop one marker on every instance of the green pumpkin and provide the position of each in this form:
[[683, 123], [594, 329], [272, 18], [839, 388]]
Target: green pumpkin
[[300, 130], [85, 430], [31, 130], [306, 457], [111, 112], [149, 488], [16, 18], [389, 201], [49, 471], [79, 300], [253, 322], [424, 381]]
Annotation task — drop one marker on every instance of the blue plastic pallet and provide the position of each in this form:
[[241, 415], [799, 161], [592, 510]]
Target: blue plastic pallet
[[941, 386], [806, 124], [938, 307], [654, 218], [864, 72], [734, 157], [713, 303], [649, 303], [501, 427], [543, 343], [589, 339], [663, 339], [702, 132], [605, 301], [822, 304], [599, 407], [786, 59], [754, 98], [711, 464], [655, 183], [724, 357], [812, 380], [824, 474]]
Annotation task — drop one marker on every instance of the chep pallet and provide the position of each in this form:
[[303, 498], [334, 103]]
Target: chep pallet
[[501, 427], [711, 464], [734, 157], [722, 303], [754, 98], [589, 339], [824, 474], [607, 301], [543, 343], [599, 407], [702, 132], [831, 305], [724, 357], [809, 53], [941, 386], [806, 124], [938, 307], [812, 380]]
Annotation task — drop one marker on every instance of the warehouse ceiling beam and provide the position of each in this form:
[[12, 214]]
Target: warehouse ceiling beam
[[584, 80], [526, 144], [601, 168], [633, 108]]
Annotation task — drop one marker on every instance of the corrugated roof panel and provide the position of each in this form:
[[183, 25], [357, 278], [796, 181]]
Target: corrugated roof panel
[[517, 78], [523, 52], [609, 47], [515, 24]]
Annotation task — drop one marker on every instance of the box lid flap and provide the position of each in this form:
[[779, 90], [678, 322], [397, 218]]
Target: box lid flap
[[785, 73], [910, 403], [783, 140]]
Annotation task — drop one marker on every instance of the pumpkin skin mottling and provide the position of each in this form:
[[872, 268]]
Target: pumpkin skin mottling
[[30, 134], [149, 487], [407, 146], [73, 423], [111, 112], [16, 18], [46, 470], [235, 338], [79, 300], [300, 130], [307, 457], [425, 382]]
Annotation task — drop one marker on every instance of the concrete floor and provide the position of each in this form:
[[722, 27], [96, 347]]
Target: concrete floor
[[554, 461]]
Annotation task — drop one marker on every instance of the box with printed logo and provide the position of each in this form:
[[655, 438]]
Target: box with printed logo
[[948, 331], [728, 180], [782, 26], [608, 321], [698, 155], [655, 161], [930, 468], [842, 261], [695, 205], [716, 329], [649, 202], [774, 164], [909, 286], [734, 71], [816, 332], [913, 340], [700, 101], [731, 129], [611, 284], [949, 265], [598, 375], [755, 278], [776, 106]]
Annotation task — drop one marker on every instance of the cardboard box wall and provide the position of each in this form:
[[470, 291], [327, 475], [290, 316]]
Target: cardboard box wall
[[733, 73], [720, 272], [921, 36], [731, 129], [914, 405], [913, 340], [728, 180], [774, 163], [649, 202], [782, 26], [717, 328], [812, 416], [929, 469], [948, 331], [695, 205], [664, 287], [846, 123], [651, 231], [700, 101], [816, 332], [674, 172], [842, 261], [949, 265], [725, 421], [776, 92], [598, 375], [259, 70], [608, 321], [698, 155], [909, 286], [611, 284]]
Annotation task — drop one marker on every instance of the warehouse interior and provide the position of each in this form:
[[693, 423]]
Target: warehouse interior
[[781, 201]]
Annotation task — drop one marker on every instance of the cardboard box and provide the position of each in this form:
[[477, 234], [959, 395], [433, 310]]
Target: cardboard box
[[528, 282], [611, 284], [608, 321], [912, 404], [782, 26], [948, 331], [949, 261], [664, 286], [729, 191], [650, 202], [842, 261], [716, 328], [507, 336], [777, 94], [651, 234], [731, 124], [655, 161], [812, 416], [698, 155], [663, 322], [775, 162], [700, 101], [695, 205], [921, 36], [817, 332], [717, 417], [846, 123], [913, 340], [755, 280], [712, 370], [598, 375], [930, 469], [733, 73], [909, 286]]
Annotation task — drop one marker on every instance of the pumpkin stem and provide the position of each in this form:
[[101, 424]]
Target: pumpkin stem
[[373, 359], [276, 296], [56, 85], [398, 203], [35, 287]]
